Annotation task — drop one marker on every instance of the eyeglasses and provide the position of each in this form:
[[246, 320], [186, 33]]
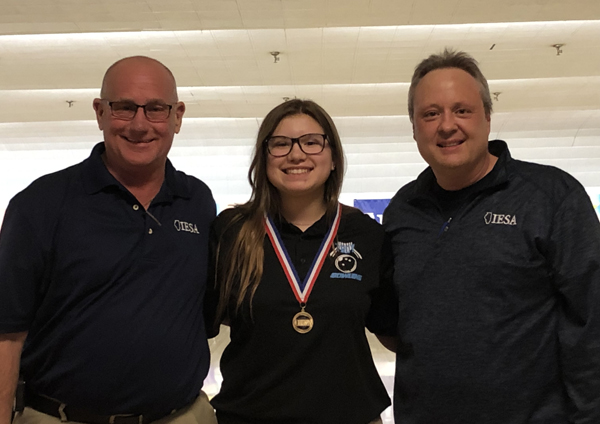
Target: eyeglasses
[[154, 111], [311, 144]]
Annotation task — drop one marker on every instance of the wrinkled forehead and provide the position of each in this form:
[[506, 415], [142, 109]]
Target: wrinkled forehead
[[448, 81], [136, 78]]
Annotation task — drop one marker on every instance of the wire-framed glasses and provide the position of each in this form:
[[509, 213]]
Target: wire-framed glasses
[[311, 144], [154, 111]]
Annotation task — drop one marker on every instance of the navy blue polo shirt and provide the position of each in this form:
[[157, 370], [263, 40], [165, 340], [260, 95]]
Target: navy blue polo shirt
[[111, 295]]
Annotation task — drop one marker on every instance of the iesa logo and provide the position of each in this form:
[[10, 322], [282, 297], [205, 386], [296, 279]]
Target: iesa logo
[[185, 226], [499, 218]]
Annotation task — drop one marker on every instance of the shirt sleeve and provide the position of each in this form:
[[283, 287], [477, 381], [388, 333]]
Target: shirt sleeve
[[383, 313], [21, 270], [575, 260]]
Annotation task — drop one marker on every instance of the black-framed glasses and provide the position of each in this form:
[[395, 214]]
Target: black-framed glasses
[[154, 111], [311, 144]]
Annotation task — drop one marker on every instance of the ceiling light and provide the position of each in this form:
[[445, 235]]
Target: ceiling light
[[558, 48]]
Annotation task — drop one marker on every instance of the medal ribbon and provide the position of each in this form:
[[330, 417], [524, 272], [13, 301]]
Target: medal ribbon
[[302, 290]]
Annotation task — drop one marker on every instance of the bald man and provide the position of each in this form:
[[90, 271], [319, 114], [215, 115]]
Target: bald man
[[103, 272]]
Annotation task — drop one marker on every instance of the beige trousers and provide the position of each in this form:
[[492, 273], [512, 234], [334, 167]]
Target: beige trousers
[[199, 412]]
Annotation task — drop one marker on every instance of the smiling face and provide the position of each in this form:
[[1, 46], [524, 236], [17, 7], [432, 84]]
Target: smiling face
[[299, 174], [451, 127], [138, 145]]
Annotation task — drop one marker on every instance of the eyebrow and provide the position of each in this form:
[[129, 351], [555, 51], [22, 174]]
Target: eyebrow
[[453, 106]]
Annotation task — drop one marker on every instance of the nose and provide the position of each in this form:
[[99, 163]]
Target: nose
[[139, 121], [296, 153], [447, 123]]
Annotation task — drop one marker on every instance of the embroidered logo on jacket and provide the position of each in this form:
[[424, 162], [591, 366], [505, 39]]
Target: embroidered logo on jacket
[[498, 218], [185, 226], [346, 261]]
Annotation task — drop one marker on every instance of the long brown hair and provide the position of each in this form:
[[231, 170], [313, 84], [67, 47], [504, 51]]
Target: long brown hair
[[240, 268]]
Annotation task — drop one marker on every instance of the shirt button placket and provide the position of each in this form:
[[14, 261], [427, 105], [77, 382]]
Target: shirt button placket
[[136, 207]]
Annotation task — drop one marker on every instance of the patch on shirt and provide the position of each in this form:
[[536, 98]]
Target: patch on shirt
[[185, 226], [346, 261], [499, 218]]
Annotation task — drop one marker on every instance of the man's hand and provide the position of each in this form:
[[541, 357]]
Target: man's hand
[[11, 345]]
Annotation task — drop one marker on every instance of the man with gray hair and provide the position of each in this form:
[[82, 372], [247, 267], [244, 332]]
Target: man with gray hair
[[103, 269], [497, 270]]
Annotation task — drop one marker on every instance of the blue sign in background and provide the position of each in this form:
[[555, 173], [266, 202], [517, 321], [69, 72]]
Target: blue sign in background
[[372, 207]]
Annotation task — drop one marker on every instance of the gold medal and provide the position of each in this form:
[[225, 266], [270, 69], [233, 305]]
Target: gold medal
[[302, 322]]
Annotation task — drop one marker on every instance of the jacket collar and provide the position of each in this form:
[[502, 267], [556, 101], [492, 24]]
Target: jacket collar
[[424, 184]]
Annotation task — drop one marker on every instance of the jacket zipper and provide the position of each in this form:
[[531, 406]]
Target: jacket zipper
[[444, 227]]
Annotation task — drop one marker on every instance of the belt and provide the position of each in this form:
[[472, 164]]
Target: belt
[[65, 413]]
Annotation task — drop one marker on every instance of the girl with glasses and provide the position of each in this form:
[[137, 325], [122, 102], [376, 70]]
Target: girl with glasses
[[298, 276]]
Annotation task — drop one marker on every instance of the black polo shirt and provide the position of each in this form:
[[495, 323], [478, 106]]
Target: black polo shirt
[[273, 374], [111, 296]]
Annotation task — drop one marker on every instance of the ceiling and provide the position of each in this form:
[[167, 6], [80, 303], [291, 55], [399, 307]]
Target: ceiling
[[354, 57]]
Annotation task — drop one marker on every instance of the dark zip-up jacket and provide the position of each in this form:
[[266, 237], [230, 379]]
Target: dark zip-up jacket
[[499, 318]]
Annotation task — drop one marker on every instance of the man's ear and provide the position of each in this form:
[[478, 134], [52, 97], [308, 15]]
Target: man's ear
[[179, 111], [100, 111]]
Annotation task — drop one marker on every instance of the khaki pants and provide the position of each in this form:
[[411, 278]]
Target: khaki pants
[[199, 412]]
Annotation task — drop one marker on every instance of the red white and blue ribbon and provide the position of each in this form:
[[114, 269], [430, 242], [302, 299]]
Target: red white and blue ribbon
[[302, 289]]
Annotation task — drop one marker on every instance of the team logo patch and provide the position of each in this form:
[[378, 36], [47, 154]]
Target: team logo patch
[[498, 218], [346, 261], [185, 226]]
